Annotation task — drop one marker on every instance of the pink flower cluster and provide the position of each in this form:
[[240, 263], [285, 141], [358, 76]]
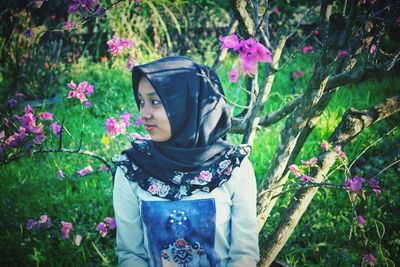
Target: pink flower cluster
[[30, 130], [356, 183], [66, 229], [43, 220], [115, 128], [360, 221], [339, 151], [69, 25], [296, 170], [343, 53], [102, 227], [250, 52], [369, 258], [60, 174], [297, 74], [85, 7], [307, 49], [84, 89], [116, 45], [85, 171], [12, 102]]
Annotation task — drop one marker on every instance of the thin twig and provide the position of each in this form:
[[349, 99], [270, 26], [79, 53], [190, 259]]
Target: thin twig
[[387, 167], [371, 145]]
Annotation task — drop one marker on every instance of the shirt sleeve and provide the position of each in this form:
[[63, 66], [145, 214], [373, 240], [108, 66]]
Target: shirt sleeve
[[129, 248], [244, 249]]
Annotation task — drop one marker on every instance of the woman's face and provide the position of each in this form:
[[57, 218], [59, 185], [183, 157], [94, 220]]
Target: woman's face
[[153, 113]]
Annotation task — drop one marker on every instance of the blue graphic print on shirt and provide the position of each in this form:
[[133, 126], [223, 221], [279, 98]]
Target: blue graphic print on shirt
[[181, 233]]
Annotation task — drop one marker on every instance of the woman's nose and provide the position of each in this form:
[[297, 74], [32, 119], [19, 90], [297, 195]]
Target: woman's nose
[[146, 112]]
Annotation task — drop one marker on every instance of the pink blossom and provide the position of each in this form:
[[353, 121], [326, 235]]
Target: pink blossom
[[131, 63], [103, 168], [374, 183], [111, 222], [295, 75], [2, 134], [116, 45], [370, 259], [85, 171], [69, 25], [275, 10], [307, 49], [10, 140], [32, 224], [102, 228], [372, 49], [354, 184], [301, 72], [19, 95], [233, 75], [153, 189], [28, 109], [66, 229], [89, 89], [56, 128], [398, 20], [305, 178], [60, 174], [360, 221], [45, 116], [295, 170], [325, 145], [229, 41], [5, 121], [250, 51], [310, 162], [342, 53], [71, 85], [81, 97], [138, 121], [338, 149], [88, 104], [45, 219], [82, 87], [71, 94], [250, 67], [39, 138], [126, 118], [115, 128], [12, 102], [205, 176]]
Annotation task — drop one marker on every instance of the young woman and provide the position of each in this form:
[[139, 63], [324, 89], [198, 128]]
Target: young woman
[[185, 197]]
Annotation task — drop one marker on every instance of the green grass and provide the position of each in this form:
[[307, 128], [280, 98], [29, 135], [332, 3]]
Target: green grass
[[30, 187]]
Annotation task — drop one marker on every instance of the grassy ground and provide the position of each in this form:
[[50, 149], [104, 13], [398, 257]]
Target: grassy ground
[[30, 187]]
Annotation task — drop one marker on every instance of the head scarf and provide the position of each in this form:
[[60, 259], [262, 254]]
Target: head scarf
[[195, 157]]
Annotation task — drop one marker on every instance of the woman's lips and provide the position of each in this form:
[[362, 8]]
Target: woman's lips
[[149, 127]]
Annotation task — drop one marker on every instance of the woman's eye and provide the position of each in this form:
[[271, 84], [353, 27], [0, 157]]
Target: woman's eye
[[156, 102], [141, 103]]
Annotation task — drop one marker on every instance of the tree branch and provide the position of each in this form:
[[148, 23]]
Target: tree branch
[[353, 123]]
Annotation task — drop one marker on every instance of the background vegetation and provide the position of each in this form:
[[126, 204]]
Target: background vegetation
[[326, 234]]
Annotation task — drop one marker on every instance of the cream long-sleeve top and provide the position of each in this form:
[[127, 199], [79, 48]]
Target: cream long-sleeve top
[[205, 229]]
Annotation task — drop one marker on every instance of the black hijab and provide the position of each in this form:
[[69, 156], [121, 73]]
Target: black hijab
[[199, 119]]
